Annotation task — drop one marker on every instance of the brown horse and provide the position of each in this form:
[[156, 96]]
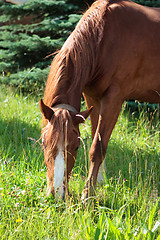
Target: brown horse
[[112, 55]]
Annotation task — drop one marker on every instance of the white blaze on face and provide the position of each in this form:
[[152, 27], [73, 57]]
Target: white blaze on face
[[59, 169]]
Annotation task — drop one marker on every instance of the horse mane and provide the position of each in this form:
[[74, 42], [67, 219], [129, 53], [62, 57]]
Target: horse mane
[[60, 123], [77, 59]]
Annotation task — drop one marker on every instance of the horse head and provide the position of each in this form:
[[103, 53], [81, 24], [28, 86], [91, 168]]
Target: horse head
[[60, 138]]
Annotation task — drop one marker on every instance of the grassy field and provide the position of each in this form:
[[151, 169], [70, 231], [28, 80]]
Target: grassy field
[[126, 206]]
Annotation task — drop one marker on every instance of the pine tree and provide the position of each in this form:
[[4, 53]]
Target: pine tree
[[24, 48], [149, 3]]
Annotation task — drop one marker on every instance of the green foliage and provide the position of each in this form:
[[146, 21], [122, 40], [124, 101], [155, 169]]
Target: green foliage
[[36, 7], [24, 47], [149, 3], [26, 51], [29, 80]]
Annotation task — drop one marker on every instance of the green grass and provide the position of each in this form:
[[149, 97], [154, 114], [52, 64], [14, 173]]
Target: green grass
[[126, 206]]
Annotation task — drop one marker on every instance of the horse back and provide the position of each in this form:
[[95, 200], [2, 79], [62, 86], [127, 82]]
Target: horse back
[[130, 50]]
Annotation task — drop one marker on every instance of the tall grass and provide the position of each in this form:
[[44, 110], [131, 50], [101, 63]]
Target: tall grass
[[126, 206]]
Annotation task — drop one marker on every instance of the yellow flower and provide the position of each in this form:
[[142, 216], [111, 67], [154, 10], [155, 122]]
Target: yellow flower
[[75, 175], [19, 220]]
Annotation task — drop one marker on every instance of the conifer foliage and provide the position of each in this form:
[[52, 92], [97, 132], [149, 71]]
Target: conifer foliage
[[31, 32], [24, 47], [149, 3]]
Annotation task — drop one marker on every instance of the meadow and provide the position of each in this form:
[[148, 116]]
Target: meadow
[[126, 205]]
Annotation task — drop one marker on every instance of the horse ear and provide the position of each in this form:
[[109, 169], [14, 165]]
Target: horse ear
[[81, 117], [45, 110]]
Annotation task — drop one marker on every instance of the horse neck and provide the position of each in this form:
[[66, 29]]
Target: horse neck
[[72, 98], [63, 92], [66, 87]]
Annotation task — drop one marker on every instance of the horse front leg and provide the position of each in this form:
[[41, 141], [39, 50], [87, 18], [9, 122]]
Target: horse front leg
[[110, 106], [94, 116]]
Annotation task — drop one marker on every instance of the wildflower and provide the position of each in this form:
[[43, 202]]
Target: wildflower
[[16, 204], [75, 175], [19, 220], [23, 192]]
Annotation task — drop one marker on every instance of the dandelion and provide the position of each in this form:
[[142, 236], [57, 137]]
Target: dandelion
[[19, 220], [75, 175]]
